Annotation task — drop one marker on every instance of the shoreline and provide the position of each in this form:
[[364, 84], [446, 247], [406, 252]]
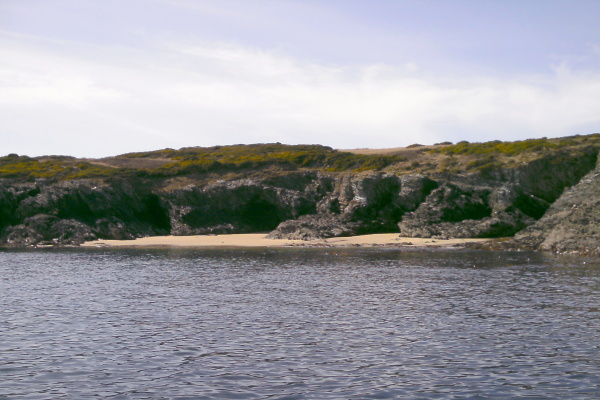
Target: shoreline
[[389, 240]]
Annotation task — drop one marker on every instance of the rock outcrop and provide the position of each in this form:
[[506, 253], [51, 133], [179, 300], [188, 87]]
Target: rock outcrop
[[71, 212], [316, 204], [444, 206], [459, 211], [359, 204], [243, 206], [504, 203], [571, 224]]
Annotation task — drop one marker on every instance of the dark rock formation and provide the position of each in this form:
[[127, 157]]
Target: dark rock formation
[[501, 204], [311, 204], [243, 206], [456, 206], [571, 224], [311, 227], [71, 212], [46, 229], [455, 211], [359, 204]]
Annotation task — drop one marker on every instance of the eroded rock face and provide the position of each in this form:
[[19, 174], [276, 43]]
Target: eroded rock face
[[459, 211], [359, 204], [571, 224], [417, 206], [500, 205], [69, 213], [311, 227], [313, 205], [49, 230], [243, 206]]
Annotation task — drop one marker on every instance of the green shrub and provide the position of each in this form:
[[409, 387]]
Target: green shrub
[[26, 168], [498, 147], [238, 158]]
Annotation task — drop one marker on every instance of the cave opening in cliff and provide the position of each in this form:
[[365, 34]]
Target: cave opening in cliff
[[261, 215]]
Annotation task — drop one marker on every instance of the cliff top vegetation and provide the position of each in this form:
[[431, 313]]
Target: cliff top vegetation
[[245, 160], [483, 157], [218, 160]]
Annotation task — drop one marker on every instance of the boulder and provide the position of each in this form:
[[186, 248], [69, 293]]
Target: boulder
[[48, 229], [312, 227]]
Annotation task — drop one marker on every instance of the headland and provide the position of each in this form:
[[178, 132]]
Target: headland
[[543, 193]]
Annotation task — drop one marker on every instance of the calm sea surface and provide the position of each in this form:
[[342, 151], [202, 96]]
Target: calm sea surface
[[297, 324]]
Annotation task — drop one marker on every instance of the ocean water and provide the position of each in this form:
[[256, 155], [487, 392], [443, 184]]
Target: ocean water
[[297, 324]]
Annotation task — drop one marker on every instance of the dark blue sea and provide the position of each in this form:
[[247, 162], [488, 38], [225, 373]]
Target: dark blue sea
[[298, 324]]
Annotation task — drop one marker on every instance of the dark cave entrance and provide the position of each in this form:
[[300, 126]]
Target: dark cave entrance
[[261, 215]]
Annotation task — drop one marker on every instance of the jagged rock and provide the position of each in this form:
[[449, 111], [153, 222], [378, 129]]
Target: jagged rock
[[70, 212], [499, 225], [310, 204], [547, 177], [371, 199], [463, 207], [571, 224], [502, 204], [459, 211], [414, 190], [359, 204], [21, 235], [242, 206], [311, 227], [71, 232], [48, 229], [113, 228]]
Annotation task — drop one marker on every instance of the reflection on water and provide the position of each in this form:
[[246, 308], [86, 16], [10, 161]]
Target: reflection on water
[[297, 324]]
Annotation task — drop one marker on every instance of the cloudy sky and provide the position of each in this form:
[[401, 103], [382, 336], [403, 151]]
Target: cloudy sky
[[94, 78]]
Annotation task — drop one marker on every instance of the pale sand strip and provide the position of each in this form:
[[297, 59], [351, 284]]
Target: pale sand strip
[[260, 240]]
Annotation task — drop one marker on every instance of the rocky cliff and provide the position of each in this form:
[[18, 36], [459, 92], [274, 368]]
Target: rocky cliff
[[571, 224], [71, 212], [309, 203], [440, 206]]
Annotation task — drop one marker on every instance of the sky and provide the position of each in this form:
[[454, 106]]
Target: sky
[[96, 78]]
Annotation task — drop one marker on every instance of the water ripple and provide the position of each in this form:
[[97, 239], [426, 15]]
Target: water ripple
[[297, 324]]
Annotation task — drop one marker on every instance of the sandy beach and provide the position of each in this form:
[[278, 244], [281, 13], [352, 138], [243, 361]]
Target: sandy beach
[[260, 240]]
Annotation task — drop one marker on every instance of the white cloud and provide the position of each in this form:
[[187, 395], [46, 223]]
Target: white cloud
[[62, 98], [31, 90]]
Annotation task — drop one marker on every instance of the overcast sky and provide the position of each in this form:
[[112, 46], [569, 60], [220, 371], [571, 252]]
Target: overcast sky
[[94, 78]]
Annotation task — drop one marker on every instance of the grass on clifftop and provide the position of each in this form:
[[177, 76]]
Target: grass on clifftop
[[512, 149], [61, 168], [247, 160], [237, 159], [488, 156], [257, 156], [485, 157]]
